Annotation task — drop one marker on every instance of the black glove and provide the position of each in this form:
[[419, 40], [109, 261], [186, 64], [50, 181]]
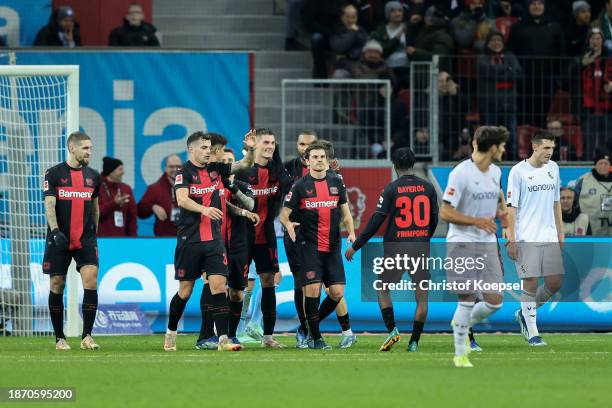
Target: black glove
[[58, 239], [230, 186]]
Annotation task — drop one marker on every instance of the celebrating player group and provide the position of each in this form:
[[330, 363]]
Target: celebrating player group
[[226, 222]]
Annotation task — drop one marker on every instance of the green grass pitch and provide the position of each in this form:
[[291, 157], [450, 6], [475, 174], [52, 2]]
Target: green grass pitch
[[134, 371]]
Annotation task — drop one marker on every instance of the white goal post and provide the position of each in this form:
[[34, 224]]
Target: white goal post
[[39, 107]]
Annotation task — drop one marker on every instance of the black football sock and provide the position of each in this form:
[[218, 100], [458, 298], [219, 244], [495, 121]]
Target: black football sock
[[220, 311], [471, 335], [177, 307], [208, 324], [388, 317], [235, 309], [311, 307], [345, 322], [268, 309], [56, 311], [327, 307], [417, 329], [89, 309], [298, 299]]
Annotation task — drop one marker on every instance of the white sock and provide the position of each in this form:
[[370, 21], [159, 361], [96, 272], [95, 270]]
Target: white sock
[[222, 338], [481, 311], [528, 309], [461, 326], [267, 337], [348, 332], [168, 331], [542, 295]]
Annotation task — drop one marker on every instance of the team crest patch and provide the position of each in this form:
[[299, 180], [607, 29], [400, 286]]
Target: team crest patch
[[551, 175], [213, 174], [309, 192], [178, 179], [450, 191], [64, 180], [333, 190], [252, 179], [88, 182], [592, 191], [509, 194]]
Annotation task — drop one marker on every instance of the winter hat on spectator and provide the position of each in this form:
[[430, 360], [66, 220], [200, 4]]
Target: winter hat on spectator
[[63, 12], [601, 155], [435, 16], [109, 164], [579, 6], [392, 6], [372, 45], [531, 1]]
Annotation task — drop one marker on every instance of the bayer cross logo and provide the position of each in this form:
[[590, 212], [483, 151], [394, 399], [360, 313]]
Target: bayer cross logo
[[102, 320]]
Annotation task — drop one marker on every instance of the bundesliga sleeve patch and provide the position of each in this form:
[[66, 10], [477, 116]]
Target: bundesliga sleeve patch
[[178, 179], [288, 198], [46, 185], [450, 191]]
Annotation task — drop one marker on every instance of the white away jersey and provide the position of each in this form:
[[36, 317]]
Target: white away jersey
[[472, 193], [533, 192]]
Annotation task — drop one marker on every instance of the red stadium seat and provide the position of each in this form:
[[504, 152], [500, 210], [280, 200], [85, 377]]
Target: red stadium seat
[[561, 108], [524, 134], [573, 135], [404, 96], [504, 24]]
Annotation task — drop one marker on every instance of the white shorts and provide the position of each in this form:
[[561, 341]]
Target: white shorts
[[487, 268], [538, 260]]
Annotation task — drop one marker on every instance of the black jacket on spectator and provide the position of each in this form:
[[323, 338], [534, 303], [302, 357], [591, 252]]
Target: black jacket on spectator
[[130, 36], [49, 34], [576, 38], [531, 37], [348, 43], [320, 16], [497, 87], [432, 40]]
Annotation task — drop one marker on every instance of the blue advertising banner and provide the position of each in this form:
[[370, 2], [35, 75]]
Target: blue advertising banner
[[140, 271], [120, 319], [20, 20], [139, 106]]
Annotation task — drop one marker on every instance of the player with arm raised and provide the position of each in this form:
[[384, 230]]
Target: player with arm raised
[[72, 212], [535, 231], [470, 205], [411, 206], [269, 181], [320, 201], [199, 193]]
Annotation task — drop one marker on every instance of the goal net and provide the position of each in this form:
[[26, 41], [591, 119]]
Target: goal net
[[38, 108]]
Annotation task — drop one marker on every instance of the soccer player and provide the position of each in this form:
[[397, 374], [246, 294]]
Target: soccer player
[[269, 181], [320, 201], [199, 193], [411, 206], [470, 206], [236, 193], [72, 212], [536, 224]]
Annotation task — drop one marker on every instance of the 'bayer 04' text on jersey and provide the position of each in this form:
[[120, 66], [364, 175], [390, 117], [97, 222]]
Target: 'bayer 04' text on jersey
[[317, 202], [533, 192], [473, 193], [205, 188], [74, 190]]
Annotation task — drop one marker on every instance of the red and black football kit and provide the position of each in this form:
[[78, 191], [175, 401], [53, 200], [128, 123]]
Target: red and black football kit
[[268, 183], [296, 170], [237, 244], [316, 203], [410, 204], [74, 190], [200, 245]]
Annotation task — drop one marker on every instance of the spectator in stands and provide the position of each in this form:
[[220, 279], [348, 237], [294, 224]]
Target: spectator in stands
[[292, 24], [498, 70], [421, 142], [159, 200], [392, 38], [575, 223], [596, 83], [534, 37], [507, 8], [319, 16], [604, 23], [347, 41], [453, 108], [415, 11], [134, 32], [371, 13], [61, 31], [432, 39], [465, 145], [593, 193], [471, 27], [578, 29], [117, 204]]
